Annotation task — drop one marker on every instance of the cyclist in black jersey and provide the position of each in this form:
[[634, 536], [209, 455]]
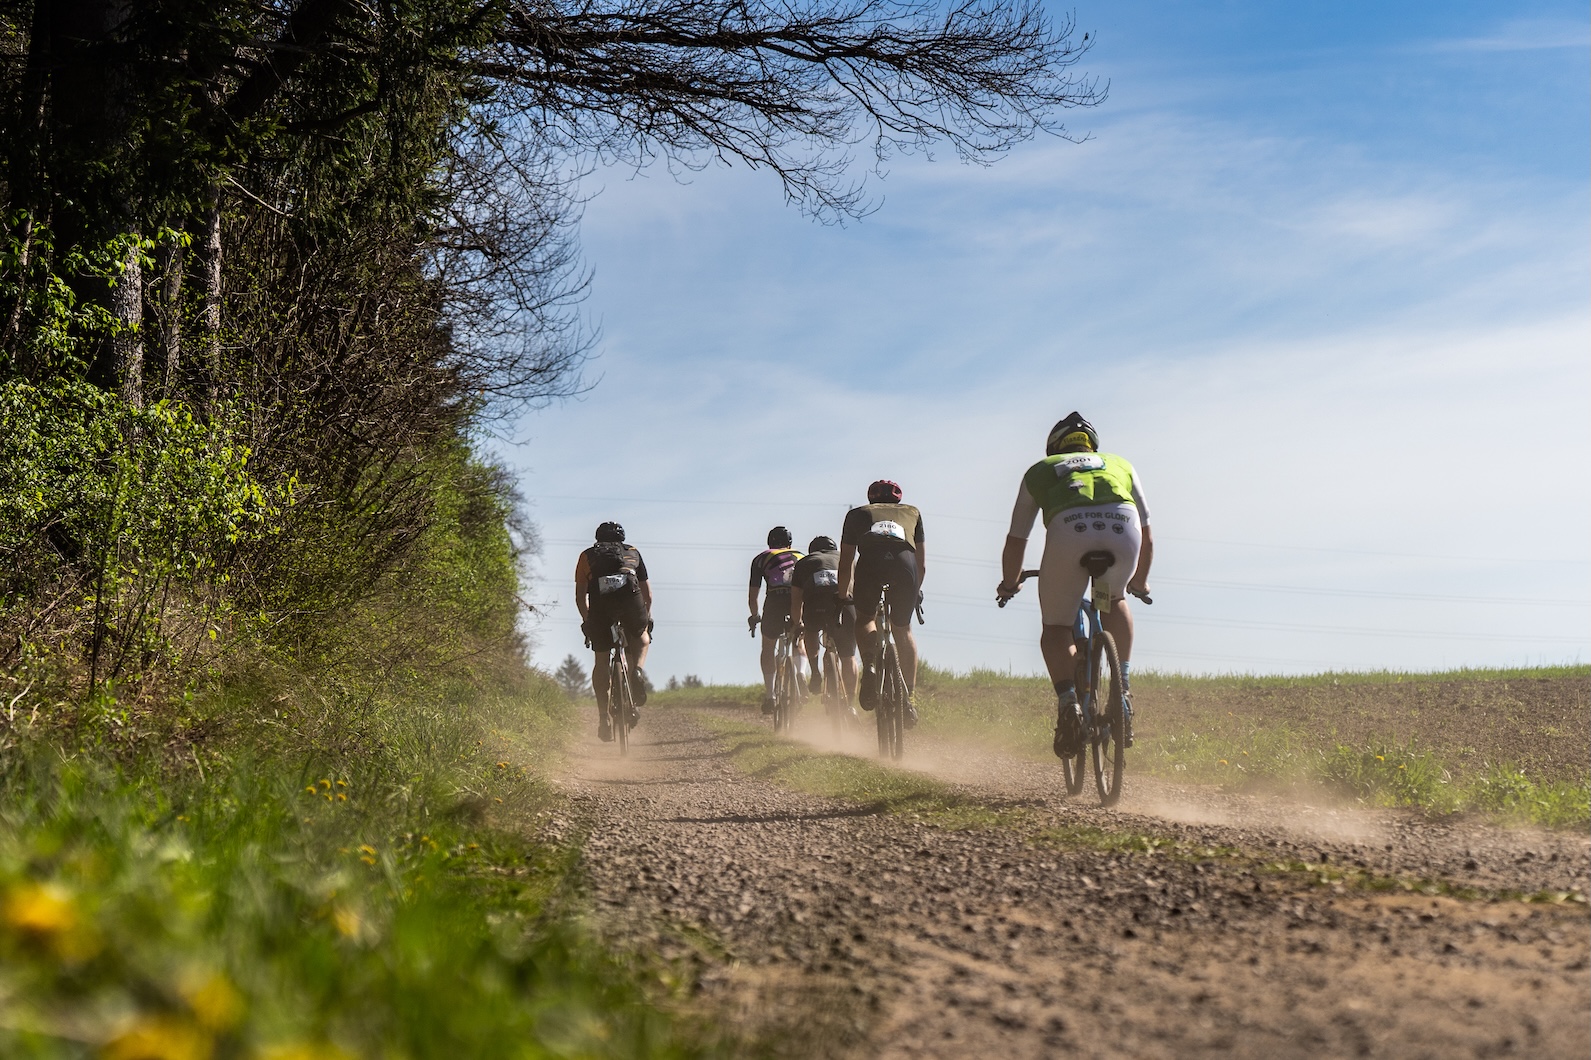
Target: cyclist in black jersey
[[815, 608], [773, 567], [611, 585], [881, 543]]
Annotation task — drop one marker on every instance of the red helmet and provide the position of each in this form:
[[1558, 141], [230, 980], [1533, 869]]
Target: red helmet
[[883, 492]]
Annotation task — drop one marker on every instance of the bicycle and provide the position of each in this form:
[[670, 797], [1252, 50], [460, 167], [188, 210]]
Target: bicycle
[[621, 698], [889, 709], [787, 691], [835, 701], [1097, 677]]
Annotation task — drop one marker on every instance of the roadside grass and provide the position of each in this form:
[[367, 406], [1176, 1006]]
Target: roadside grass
[[332, 878], [1452, 747]]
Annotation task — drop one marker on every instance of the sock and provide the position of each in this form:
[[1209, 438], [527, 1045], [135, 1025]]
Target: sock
[[1063, 687]]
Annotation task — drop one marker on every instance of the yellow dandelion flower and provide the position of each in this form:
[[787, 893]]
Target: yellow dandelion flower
[[341, 797], [216, 1003], [1381, 758], [46, 915], [310, 790], [325, 783], [499, 801], [350, 925], [502, 765], [1224, 762], [342, 783], [366, 848], [160, 1038]]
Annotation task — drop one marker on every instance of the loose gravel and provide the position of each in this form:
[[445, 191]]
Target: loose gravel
[[821, 927]]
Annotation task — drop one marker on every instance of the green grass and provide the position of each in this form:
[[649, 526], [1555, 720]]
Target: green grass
[[334, 883]]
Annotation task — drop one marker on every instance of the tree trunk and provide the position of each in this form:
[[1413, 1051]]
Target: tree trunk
[[172, 261], [127, 306], [210, 319]]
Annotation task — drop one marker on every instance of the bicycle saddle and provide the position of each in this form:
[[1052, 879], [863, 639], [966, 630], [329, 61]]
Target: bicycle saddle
[[1097, 562]]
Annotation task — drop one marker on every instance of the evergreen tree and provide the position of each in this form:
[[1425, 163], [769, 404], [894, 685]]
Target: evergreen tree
[[571, 676]]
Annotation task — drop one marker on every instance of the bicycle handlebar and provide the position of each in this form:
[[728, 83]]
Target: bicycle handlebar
[[751, 624], [1003, 600]]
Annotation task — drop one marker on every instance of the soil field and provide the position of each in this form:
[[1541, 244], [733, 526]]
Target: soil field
[[1188, 922]]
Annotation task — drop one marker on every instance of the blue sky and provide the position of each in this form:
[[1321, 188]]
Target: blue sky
[[1320, 270]]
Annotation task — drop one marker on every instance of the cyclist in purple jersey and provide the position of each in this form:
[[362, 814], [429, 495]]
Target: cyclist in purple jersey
[[774, 568]]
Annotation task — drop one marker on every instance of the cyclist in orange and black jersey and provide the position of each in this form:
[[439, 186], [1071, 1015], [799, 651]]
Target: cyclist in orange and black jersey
[[775, 568]]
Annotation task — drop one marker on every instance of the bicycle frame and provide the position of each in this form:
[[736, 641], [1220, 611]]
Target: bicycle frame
[[620, 706]]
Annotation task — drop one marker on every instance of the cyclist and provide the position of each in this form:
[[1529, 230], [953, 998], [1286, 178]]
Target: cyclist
[[814, 608], [1091, 501], [773, 567], [882, 541], [611, 586]]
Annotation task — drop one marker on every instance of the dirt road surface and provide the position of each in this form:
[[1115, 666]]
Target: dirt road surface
[[828, 928]]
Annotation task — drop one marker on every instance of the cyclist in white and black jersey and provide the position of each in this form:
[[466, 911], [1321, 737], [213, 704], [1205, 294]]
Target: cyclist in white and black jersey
[[1091, 501]]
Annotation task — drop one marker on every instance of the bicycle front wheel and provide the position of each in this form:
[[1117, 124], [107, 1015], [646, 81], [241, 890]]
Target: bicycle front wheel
[[619, 701], [1109, 742]]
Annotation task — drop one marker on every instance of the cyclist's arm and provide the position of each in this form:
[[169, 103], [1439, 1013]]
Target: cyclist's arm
[[646, 594], [922, 563], [1016, 549], [1023, 513], [847, 569], [795, 607], [582, 578]]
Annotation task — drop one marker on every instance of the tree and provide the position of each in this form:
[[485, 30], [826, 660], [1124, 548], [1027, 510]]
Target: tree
[[571, 677]]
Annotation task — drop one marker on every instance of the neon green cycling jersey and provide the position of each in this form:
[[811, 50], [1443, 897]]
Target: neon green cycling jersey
[[1075, 480]]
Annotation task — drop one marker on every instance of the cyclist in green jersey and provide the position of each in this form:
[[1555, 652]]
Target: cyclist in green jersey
[[1092, 501]]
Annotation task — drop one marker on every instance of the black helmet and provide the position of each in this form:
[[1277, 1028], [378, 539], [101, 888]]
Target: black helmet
[[780, 537], [1061, 434], [822, 543], [610, 531]]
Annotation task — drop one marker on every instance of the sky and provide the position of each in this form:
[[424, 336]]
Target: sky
[[1320, 271]]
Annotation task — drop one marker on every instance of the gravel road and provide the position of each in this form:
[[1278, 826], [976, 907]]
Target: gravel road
[[822, 928]]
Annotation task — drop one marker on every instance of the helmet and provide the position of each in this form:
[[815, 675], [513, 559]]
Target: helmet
[[1073, 430], [780, 537], [883, 492], [822, 543], [610, 531]]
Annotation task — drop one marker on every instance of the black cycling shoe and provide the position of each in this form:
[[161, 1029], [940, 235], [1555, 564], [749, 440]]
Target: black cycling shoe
[[910, 720], [605, 731], [867, 689], [1068, 727], [638, 688], [815, 684], [767, 704]]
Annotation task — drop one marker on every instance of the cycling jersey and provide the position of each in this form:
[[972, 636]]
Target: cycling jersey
[[1075, 480], [817, 575], [873, 526], [776, 568]]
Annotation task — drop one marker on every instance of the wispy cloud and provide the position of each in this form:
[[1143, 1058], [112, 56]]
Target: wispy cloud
[[1524, 35]]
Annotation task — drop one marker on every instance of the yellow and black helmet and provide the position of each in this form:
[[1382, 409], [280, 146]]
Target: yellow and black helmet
[[1072, 431]]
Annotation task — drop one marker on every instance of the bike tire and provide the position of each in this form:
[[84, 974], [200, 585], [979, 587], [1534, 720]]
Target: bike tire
[[1110, 727], [831, 693], [784, 696], [895, 695], [619, 695], [884, 697]]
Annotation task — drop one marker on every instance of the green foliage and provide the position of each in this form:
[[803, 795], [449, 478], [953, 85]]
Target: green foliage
[[1394, 776], [109, 514], [379, 897]]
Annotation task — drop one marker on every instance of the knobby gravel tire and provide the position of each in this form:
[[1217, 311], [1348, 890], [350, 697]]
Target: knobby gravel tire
[[831, 694], [619, 693], [1110, 727], [895, 696]]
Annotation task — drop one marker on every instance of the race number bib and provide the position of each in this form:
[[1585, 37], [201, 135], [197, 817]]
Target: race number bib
[[887, 528], [826, 579], [612, 583]]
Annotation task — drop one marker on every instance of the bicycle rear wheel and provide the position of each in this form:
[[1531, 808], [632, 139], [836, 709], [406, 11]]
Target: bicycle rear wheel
[[1110, 728], [784, 695], [895, 696], [619, 700], [832, 699]]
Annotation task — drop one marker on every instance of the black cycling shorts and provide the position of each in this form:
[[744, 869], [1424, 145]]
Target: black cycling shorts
[[898, 567], [775, 612], [840, 624], [627, 609]]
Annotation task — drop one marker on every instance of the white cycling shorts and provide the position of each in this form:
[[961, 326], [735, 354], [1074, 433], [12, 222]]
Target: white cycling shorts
[[1062, 580]]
